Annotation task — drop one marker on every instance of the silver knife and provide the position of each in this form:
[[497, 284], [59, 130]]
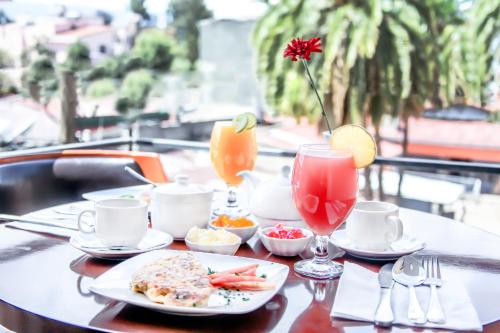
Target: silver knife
[[383, 315], [49, 223]]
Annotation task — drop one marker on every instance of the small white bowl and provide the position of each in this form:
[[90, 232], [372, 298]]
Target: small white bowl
[[285, 247], [229, 249], [245, 233]]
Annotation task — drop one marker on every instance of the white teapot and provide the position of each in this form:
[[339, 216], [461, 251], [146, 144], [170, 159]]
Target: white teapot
[[271, 201], [179, 206]]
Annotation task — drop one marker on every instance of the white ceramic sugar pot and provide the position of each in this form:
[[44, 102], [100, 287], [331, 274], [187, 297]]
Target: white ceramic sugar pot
[[271, 201], [177, 207]]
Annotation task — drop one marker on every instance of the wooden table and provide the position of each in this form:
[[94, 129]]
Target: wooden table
[[44, 286]]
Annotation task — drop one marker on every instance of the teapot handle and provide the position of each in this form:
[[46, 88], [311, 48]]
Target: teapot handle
[[247, 175]]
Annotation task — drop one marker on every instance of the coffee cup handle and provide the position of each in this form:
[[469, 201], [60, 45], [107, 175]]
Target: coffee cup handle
[[398, 227], [88, 229]]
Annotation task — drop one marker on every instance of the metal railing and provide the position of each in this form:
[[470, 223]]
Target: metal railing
[[169, 144], [408, 162]]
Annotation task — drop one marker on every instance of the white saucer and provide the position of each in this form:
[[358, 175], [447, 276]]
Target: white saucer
[[406, 245], [91, 245]]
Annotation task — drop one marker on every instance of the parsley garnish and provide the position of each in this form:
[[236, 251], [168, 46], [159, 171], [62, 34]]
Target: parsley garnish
[[263, 276], [245, 299], [194, 305], [210, 271]]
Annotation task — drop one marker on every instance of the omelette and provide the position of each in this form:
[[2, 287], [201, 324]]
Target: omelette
[[179, 280]]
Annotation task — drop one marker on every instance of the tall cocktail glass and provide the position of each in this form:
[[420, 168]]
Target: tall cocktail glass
[[324, 187], [232, 152]]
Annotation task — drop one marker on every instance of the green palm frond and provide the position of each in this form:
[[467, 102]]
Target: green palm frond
[[379, 56]]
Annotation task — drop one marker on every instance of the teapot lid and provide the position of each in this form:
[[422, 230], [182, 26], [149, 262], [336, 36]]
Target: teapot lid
[[181, 185]]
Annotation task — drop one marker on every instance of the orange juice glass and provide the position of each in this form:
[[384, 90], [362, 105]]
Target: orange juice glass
[[231, 153]]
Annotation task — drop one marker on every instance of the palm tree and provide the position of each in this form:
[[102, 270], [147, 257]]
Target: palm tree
[[469, 50], [377, 57], [485, 18], [374, 59], [380, 57]]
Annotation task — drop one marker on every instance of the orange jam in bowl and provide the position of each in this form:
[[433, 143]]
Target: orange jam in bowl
[[224, 221]]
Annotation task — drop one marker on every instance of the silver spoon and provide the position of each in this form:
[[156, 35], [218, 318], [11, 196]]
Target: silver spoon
[[138, 176], [409, 272]]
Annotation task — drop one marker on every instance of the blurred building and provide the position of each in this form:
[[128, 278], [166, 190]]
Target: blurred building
[[57, 33], [226, 59], [98, 37]]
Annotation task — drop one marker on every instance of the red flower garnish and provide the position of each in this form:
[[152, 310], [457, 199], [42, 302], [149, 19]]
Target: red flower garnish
[[299, 48]]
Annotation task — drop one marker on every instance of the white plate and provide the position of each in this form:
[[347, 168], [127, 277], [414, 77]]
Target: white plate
[[73, 209], [406, 245], [68, 211], [90, 244], [115, 284], [134, 192]]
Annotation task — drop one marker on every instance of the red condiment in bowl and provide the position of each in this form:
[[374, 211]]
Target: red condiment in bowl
[[280, 232]]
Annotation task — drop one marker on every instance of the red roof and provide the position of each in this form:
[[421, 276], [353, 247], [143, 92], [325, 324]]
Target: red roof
[[465, 140], [84, 31]]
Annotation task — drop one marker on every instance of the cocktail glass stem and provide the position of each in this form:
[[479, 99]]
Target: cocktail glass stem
[[321, 250], [231, 208], [321, 266], [231, 197]]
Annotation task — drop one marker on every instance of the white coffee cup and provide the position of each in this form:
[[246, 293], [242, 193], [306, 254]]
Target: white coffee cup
[[374, 225], [117, 222]]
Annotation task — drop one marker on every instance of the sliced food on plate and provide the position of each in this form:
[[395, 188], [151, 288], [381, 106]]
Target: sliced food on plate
[[182, 280]]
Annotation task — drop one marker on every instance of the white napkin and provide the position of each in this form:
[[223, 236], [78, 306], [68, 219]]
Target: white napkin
[[359, 291], [62, 232]]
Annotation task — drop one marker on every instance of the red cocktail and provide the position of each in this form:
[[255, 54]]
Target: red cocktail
[[325, 186]]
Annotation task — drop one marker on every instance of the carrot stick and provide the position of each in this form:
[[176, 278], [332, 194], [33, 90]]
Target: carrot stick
[[240, 269], [233, 271], [248, 285], [218, 275], [250, 272], [236, 278]]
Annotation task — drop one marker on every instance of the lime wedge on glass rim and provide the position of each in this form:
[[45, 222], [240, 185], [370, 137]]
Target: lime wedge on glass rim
[[244, 121]]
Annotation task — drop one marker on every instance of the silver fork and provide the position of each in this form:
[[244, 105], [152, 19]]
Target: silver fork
[[433, 280]]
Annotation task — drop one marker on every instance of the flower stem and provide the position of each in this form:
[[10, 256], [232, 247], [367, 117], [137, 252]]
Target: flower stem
[[311, 81]]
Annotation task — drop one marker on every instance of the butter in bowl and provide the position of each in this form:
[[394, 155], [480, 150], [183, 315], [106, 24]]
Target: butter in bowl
[[285, 241], [212, 241]]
